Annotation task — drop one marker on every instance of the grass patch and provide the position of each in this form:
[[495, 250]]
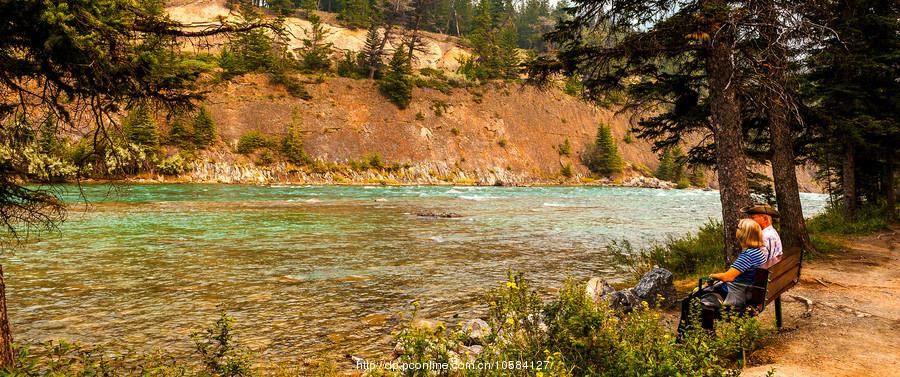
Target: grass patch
[[869, 219], [685, 256]]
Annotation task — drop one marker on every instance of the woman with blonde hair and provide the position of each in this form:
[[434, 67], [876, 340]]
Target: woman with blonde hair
[[741, 273]]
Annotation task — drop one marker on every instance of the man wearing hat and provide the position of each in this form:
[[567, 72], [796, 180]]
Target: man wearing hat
[[763, 213]]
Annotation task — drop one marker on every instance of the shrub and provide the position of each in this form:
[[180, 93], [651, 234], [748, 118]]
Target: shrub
[[567, 170], [580, 338], [174, 165], [683, 183], [250, 142], [502, 142], [454, 131], [420, 116], [565, 149], [684, 256], [291, 84], [265, 158], [219, 351], [348, 66]]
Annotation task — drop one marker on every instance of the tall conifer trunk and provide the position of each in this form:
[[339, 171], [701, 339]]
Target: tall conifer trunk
[[787, 192], [6, 353], [848, 184], [725, 108]]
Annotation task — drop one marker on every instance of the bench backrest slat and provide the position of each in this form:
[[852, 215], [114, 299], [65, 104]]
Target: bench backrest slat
[[775, 277]]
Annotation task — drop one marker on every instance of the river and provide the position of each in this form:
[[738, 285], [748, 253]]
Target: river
[[308, 270]]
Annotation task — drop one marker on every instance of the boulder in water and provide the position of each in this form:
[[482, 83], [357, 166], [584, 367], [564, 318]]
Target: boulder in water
[[656, 288]]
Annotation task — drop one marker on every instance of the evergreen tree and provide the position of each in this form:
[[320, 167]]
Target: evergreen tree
[[292, 143], [370, 55], [355, 14], [316, 53], [140, 129], [49, 141], [397, 84], [605, 159], [180, 135], [698, 176], [853, 91], [664, 171], [678, 164], [204, 129]]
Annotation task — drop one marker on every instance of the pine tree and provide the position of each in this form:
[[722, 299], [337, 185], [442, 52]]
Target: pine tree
[[179, 135], [371, 53], [606, 159], [678, 164], [355, 14], [140, 129], [698, 176], [397, 83], [204, 129], [49, 141], [664, 171], [316, 53], [292, 143]]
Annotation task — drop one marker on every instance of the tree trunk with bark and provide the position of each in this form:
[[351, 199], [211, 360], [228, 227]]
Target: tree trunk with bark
[[848, 183], [784, 171], [890, 190], [725, 108], [6, 352]]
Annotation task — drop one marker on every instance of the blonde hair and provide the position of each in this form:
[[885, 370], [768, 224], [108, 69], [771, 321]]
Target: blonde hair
[[749, 234]]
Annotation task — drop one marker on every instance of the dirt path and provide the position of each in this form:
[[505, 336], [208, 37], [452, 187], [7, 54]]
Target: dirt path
[[853, 328]]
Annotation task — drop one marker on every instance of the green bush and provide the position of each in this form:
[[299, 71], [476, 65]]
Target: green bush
[[567, 170], [250, 142], [220, 352], [349, 66], [580, 338], [174, 165], [565, 149], [869, 219], [291, 84], [684, 256]]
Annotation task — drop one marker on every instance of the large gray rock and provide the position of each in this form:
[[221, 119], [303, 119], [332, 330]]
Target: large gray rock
[[656, 287], [625, 300]]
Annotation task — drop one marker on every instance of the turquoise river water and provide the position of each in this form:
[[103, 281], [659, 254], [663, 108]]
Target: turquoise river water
[[308, 271]]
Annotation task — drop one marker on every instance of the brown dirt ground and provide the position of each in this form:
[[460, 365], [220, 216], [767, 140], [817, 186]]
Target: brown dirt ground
[[854, 326]]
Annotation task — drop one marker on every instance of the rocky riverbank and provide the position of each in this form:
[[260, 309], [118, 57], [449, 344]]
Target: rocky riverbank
[[415, 174]]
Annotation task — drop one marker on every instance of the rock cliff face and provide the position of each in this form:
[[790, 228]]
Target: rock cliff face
[[501, 133]]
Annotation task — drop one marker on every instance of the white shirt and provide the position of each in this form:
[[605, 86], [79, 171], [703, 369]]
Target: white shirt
[[771, 242]]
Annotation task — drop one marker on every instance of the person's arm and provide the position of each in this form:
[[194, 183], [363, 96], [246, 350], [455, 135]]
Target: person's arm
[[726, 276]]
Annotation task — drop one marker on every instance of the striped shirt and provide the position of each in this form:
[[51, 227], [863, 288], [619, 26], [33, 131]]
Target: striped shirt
[[772, 242], [746, 263]]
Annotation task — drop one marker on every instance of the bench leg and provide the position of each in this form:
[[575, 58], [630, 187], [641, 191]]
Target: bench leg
[[778, 321]]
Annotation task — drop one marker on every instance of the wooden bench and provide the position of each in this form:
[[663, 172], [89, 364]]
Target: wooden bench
[[774, 278], [771, 280]]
